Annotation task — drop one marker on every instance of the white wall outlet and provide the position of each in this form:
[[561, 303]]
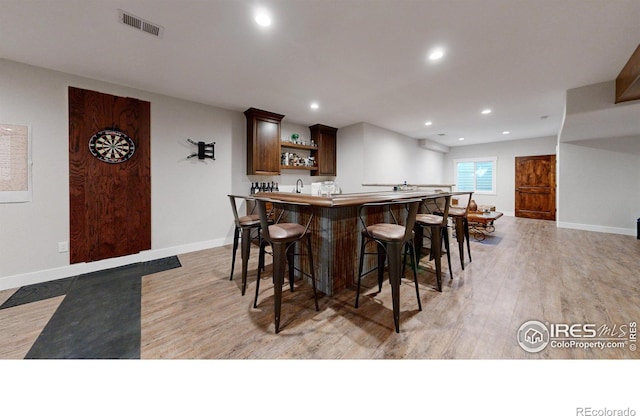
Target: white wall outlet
[[63, 247]]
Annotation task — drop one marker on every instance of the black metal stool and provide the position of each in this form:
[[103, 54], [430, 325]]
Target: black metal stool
[[390, 239], [244, 225], [437, 225], [282, 237], [461, 222]]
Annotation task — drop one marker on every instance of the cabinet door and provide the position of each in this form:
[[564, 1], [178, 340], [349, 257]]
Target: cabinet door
[[325, 137], [263, 142]]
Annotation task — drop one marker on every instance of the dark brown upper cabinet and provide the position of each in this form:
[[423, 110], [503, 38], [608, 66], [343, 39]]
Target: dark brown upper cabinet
[[263, 142], [325, 138]]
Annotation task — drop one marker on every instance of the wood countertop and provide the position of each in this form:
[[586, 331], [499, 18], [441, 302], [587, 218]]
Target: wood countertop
[[344, 200]]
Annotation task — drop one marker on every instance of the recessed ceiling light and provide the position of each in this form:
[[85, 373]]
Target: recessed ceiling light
[[428, 123], [486, 111], [262, 18], [461, 138], [436, 54], [314, 106], [506, 132]]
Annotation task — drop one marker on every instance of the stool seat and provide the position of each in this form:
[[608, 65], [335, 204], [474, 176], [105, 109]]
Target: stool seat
[[286, 232], [249, 220], [386, 232], [429, 219], [457, 212]]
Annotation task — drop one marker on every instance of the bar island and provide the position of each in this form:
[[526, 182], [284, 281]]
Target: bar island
[[335, 231]]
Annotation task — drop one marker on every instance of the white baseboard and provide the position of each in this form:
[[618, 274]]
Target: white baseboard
[[597, 228], [40, 276]]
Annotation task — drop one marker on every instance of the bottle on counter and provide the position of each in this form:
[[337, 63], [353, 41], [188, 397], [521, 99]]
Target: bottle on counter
[[253, 189]]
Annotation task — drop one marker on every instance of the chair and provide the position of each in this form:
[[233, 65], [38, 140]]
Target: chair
[[244, 225], [390, 239], [437, 224], [282, 237], [459, 215]]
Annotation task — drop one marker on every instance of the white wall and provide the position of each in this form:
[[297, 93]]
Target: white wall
[[506, 153], [373, 155], [189, 206], [599, 162], [350, 142], [600, 189]]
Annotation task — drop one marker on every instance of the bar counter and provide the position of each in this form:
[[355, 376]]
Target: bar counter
[[344, 200], [335, 231]]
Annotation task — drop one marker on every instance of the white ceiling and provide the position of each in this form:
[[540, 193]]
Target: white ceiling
[[361, 60]]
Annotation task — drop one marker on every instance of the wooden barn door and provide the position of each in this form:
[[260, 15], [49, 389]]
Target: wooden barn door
[[536, 187], [110, 199]]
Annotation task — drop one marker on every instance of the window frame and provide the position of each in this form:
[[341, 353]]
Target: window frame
[[475, 160]]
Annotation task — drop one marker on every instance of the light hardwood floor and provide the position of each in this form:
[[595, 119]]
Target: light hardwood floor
[[527, 270]]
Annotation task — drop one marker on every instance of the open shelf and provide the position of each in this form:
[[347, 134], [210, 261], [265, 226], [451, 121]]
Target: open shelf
[[292, 145], [299, 167]]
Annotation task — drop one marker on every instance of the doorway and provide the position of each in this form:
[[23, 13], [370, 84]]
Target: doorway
[[536, 187]]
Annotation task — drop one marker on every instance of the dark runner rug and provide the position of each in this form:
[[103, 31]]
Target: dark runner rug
[[38, 291], [100, 315]]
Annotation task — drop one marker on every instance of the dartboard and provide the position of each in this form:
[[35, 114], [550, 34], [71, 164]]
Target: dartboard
[[111, 146]]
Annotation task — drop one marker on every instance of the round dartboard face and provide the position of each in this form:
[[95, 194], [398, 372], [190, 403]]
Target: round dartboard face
[[111, 146]]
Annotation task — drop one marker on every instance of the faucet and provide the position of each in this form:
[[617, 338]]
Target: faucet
[[299, 181]]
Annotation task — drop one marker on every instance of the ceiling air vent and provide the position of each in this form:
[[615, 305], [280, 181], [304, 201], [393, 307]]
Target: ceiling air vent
[[140, 24]]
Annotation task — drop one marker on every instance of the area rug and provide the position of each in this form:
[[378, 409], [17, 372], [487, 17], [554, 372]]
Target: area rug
[[100, 315]]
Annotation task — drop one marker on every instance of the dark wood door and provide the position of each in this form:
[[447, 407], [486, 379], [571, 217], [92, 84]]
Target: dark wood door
[[536, 187], [110, 203]]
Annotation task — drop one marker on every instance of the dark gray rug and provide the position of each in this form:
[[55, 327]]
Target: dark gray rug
[[39, 291], [100, 315]]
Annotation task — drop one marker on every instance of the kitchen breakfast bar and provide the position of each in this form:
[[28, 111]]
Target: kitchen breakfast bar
[[335, 230]]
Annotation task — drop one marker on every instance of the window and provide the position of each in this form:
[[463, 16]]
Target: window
[[477, 175]]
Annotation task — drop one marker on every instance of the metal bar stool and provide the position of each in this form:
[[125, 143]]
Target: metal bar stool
[[459, 215], [437, 225], [282, 237], [244, 225], [390, 239]]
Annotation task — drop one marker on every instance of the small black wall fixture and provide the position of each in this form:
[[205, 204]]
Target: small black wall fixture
[[205, 150]]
